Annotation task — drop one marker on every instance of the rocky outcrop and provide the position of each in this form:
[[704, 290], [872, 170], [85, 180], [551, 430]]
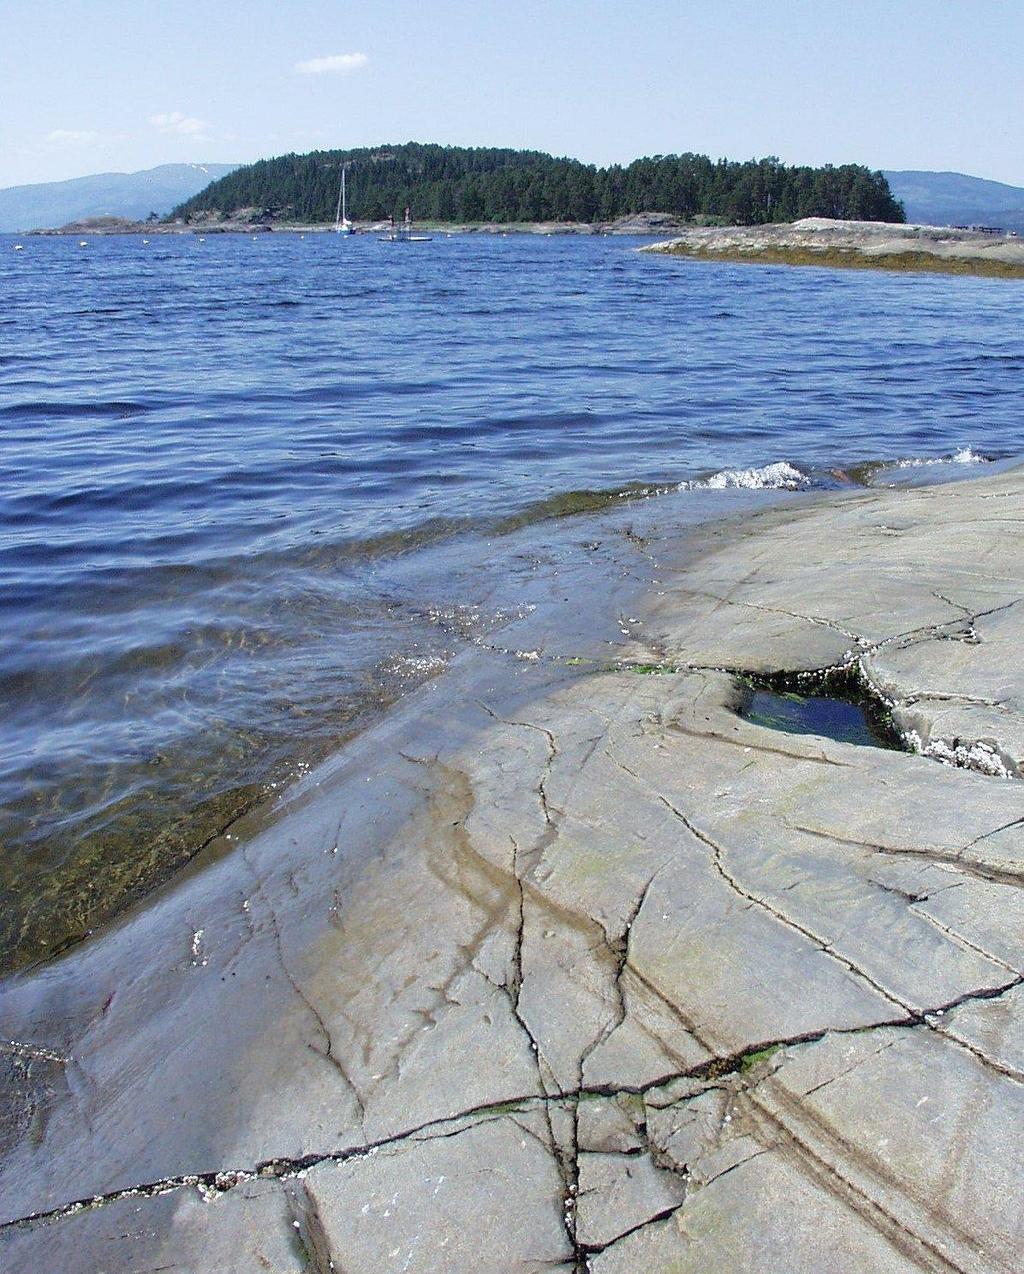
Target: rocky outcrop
[[104, 226], [856, 245], [645, 223], [247, 221], [569, 966]]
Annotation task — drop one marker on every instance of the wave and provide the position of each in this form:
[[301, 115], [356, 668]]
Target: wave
[[962, 455], [778, 476], [70, 410]]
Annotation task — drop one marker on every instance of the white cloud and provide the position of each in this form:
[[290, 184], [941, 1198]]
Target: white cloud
[[336, 64], [73, 137], [177, 124]]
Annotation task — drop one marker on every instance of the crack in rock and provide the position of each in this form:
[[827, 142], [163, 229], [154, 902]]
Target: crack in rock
[[718, 864], [818, 620], [327, 1051], [546, 809], [310, 1229], [212, 1184], [595, 1249], [619, 948], [994, 873], [34, 1052], [855, 1178], [746, 745]]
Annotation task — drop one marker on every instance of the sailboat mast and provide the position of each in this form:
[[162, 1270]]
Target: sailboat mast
[[344, 207], [341, 193]]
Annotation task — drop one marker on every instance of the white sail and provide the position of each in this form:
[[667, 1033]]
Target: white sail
[[342, 225]]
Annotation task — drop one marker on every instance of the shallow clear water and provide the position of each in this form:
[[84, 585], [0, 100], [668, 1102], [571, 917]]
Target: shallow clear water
[[230, 472], [830, 718]]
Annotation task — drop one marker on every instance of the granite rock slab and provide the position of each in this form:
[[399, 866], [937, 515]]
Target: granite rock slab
[[576, 967]]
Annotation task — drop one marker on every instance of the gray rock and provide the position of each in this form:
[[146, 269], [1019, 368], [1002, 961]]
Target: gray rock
[[837, 242], [619, 1193], [577, 968], [253, 1227], [485, 1197]]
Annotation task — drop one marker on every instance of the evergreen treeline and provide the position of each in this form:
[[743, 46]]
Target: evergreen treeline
[[453, 183]]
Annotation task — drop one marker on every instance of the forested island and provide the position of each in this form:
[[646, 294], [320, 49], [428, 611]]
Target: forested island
[[471, 184]]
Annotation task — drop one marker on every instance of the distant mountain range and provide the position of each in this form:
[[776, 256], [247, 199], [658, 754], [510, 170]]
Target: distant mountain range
[[133, 195], [950, 199]]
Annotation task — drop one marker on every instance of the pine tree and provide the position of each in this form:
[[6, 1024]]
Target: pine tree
[[473, 184]]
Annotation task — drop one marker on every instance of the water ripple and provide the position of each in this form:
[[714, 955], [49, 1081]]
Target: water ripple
[[234, 482]]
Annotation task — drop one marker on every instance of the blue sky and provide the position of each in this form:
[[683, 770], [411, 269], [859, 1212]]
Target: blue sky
[[95, 85]]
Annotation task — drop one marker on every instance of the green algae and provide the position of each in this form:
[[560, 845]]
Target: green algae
[[749, 1061]]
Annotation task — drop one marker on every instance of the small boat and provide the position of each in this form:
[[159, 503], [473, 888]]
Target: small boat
[[19, 247], [403, 233], [342, 225]]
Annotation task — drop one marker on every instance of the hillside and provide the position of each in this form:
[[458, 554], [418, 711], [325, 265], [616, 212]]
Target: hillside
[[450, 183], [132, 195], [950, 199]]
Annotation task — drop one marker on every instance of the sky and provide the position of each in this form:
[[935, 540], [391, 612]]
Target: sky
[[117, 85]]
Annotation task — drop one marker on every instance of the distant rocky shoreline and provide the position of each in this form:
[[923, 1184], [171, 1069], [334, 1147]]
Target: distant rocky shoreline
[[254, 221], [855, 245], [813, 241]]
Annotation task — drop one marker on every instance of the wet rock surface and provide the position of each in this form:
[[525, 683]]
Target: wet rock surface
[[573, 967]]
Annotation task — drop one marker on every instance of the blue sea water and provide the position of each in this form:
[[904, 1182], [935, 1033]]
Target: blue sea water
[[226, 466]]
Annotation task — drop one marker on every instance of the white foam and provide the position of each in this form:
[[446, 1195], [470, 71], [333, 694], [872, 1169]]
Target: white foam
[[416, 665], [780, 476], [962, 455]]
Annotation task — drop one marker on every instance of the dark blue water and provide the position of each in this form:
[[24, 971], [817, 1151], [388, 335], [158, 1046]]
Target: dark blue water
[[226, 466]]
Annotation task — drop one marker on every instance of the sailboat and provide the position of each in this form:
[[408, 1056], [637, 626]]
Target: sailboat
[[403, 233], [342, 225]]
